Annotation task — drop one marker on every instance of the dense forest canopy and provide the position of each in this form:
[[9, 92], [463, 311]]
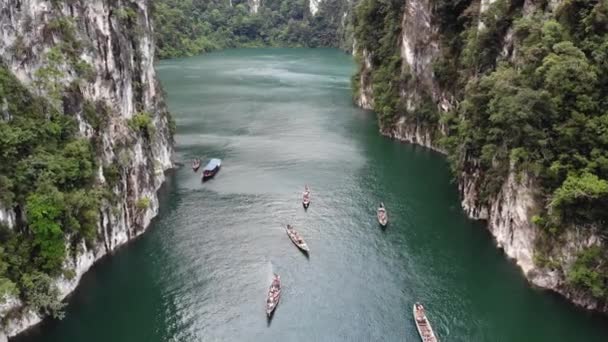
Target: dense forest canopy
[[47, 174], [539, 109], [185, 28]]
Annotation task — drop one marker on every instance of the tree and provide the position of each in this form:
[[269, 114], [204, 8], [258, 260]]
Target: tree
[[44, 209]]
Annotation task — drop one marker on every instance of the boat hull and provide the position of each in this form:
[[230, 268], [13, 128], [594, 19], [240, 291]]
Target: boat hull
[[383, 221], [272, 301], [196, 165], [210, 174], [306, 201], [431, 336]]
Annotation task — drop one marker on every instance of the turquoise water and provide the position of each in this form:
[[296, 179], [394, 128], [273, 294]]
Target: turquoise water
[[279, 119]]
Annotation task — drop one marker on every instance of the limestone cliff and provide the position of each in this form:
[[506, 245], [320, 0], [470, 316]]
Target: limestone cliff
[[420, 44], [112, 42]]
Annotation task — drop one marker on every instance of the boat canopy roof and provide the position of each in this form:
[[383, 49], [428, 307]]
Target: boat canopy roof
[[213, 163]]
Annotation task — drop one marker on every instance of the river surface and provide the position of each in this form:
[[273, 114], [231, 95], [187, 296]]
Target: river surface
[[279, 119]]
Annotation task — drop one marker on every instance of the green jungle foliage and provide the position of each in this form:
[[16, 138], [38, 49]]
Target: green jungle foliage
[[377, 28], [142, 122], [46, 175], [186, 28], [540, 109]]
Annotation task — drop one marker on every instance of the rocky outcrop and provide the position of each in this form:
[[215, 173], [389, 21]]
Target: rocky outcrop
[[113, 41], [7, 217], [508, 216], [509, 213], [365, 96], [418, 46], [254, 5], [415, 133], [313, 6]]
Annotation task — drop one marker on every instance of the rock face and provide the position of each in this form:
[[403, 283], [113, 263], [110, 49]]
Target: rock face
[[509, 213], [313, 5], [116, 43], [254, 5], [365, 98]]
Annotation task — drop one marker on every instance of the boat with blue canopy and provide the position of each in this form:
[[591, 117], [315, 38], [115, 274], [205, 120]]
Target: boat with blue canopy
[[212, 168]]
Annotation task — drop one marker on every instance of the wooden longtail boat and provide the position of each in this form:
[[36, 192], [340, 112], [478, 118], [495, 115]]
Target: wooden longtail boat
[[196, 163], [423, 325], [382, 215], [274, 295], [297, 239], [306, 197]]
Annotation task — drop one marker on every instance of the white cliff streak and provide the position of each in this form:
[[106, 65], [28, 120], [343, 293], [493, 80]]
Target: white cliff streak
[[365, 98], [254, 5], [314, 6], [485, 4], [7, 217], [122, 56]]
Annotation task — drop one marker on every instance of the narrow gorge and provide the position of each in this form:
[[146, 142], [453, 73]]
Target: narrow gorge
[[85, 138], [514, 92]]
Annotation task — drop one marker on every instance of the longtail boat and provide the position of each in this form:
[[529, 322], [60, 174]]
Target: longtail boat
[[274, 294], [306, 197], [196, 163], [212, 168], [297, 239], [423, 325], [382, 215]]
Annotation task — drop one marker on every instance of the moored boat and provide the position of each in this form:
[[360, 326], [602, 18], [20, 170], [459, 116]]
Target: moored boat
[[422, 324], [196, 164], [274, 294], [297, 239], [382, 215], [212, 168], [306, 197]]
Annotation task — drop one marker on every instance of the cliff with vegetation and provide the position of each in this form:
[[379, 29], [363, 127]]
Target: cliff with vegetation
[[84, 142], [515, 93], [186, 28]]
